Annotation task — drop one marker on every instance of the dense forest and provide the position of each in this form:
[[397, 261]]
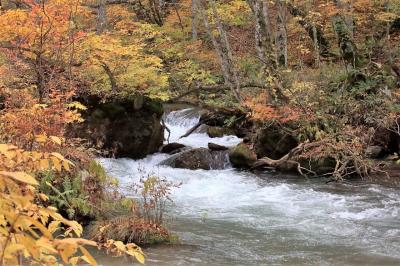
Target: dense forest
[[311, 87]]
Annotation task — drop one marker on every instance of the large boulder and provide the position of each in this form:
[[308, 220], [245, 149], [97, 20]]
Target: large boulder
[[273, 142], [200, 158], [242, 156], [216, 147], [123, 128]]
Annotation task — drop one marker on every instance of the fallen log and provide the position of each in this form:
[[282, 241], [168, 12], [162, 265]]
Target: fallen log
[[190, 131], [268, 162]]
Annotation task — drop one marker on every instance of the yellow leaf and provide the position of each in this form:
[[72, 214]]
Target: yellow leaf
[[120, 245], [66, 251], [56, 140], [46, 244], [57, 155], [21, 176], [87, 257], [56, 164], [66, 165], [77, 105], [36, 155], [44, 164], [40, 226], [138, 255], [43, 197], [54, 226], [3, 148], [41, 138], [74, 260], [12, 248]]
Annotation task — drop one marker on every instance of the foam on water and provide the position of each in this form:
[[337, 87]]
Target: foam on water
[[237, 218]]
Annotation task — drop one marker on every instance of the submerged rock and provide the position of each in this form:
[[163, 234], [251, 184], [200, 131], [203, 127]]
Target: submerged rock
[[172, 148], [242, 156], [216, 147], [200, 158], [124, 128]]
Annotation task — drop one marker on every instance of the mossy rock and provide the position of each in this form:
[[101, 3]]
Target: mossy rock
[[242, 156], [199, 158], [154, 106], [217, 132], [123, 128]]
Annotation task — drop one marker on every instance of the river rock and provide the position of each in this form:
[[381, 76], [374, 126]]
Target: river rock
[[217, 132], [172, 148], [273, 142], [124, 128], [242, 156], [200, 158], [216, 147]]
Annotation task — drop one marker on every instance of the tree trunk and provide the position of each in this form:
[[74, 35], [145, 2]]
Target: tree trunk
[[101, 22], [266, 49], [223, 50], [345, 41], [316, 47], [281, 35], [194, 20]]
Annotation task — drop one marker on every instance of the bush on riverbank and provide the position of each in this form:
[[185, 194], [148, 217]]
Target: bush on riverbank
[[144, 222]]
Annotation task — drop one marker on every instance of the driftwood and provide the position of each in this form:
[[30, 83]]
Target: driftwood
[[349, 161], [190, 131], [268, 162]]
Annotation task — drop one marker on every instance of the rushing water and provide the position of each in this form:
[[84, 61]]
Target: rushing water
[[230, 217]]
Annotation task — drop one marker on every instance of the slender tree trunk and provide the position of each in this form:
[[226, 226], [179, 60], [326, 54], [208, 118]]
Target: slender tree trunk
[[388, 45], [223, 50], [101, 17], [175, 3], [194, 20], [281, 35], [266, 50], [316, 47]]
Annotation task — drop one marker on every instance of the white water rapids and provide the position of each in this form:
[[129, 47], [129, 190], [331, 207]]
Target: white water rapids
[[230, 217]]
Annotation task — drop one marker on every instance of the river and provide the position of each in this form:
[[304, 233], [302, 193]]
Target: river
[[231, 217]]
